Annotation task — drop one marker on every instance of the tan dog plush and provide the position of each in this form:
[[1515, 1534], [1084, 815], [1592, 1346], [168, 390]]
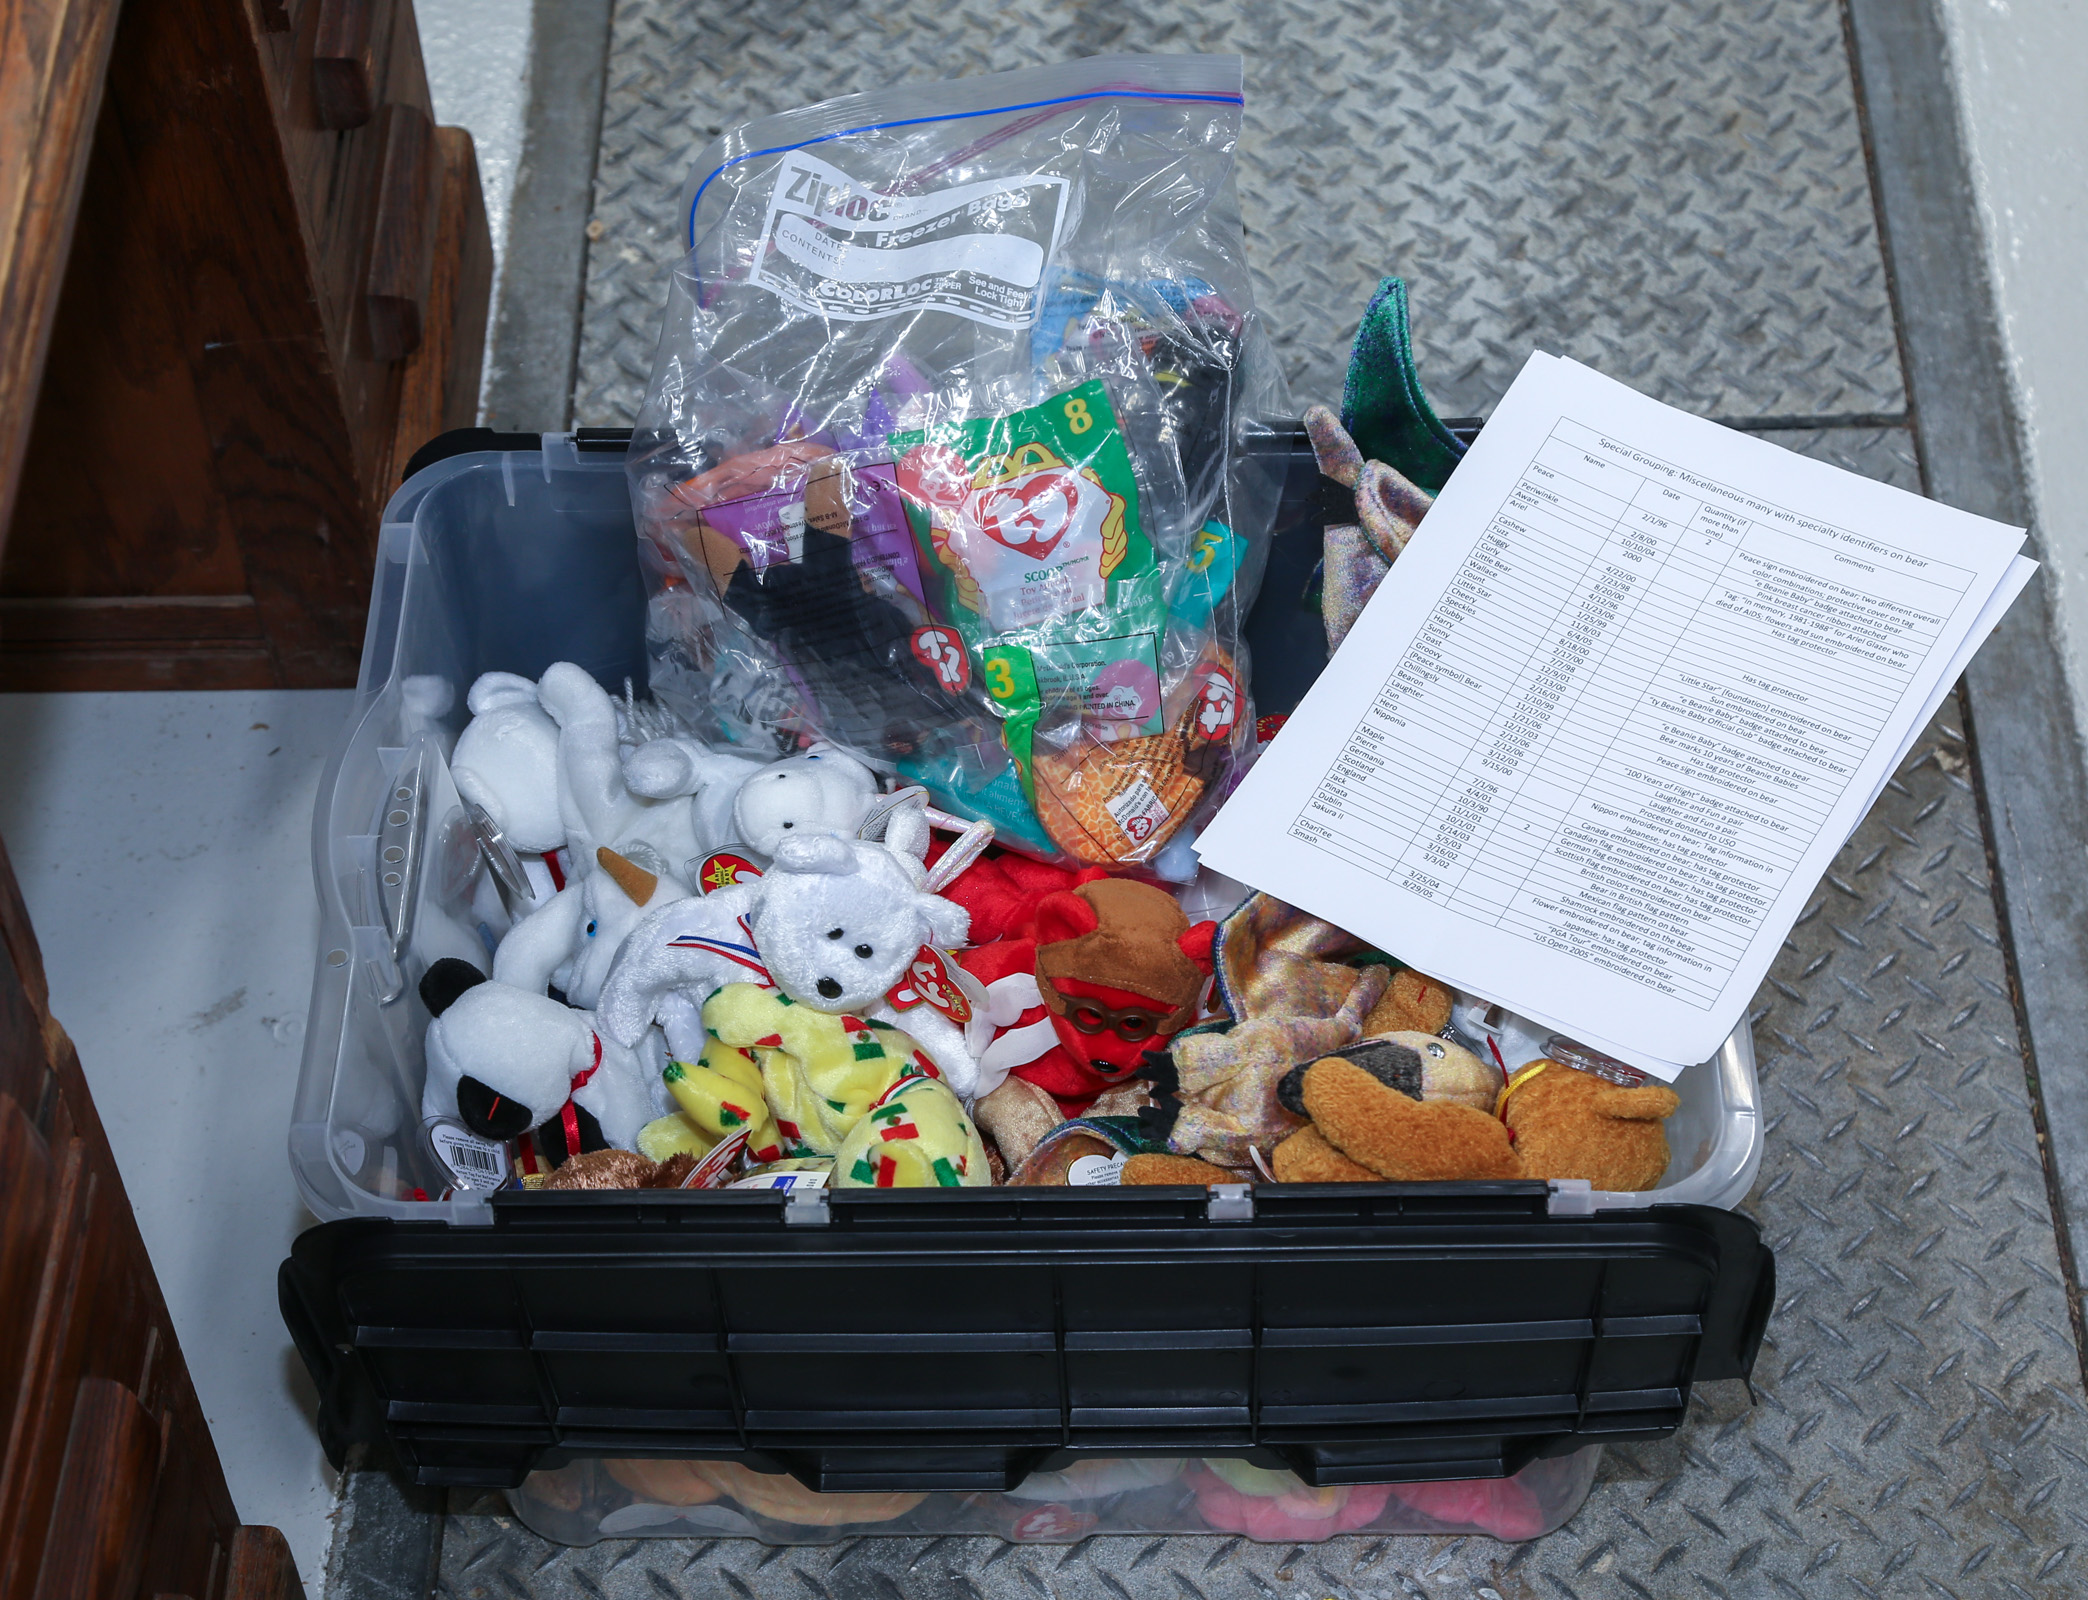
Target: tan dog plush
[[1565, 1124], [1571, 1124]]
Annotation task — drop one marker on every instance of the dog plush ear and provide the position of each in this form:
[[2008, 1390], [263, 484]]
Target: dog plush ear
[[816, 852], [446, 979], [1064, 916], [1197, 945]]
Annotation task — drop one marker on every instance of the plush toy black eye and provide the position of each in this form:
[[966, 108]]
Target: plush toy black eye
[[834, 933], [864, 952], [590, 927], [790, 824]]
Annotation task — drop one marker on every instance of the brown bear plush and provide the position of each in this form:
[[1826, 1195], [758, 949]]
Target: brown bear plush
[[1565, 1124]]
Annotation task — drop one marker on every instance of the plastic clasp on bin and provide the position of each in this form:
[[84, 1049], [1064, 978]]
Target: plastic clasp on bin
[[1231, 1202], [806, 1208]]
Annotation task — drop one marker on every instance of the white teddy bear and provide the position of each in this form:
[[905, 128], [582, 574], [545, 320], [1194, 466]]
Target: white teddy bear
[[840, 925], [506, 763]]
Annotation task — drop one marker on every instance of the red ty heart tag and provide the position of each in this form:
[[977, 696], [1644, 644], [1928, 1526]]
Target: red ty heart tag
[[927, 982]]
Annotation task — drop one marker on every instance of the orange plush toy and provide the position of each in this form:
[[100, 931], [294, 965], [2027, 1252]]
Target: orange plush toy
[[1555, 1122], [1571, 1124]]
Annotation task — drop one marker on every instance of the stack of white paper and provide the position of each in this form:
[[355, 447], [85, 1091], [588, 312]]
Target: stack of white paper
[[1609, 717]]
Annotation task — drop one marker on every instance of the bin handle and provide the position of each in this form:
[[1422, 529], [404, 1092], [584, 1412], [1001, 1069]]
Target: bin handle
[[414, 775]]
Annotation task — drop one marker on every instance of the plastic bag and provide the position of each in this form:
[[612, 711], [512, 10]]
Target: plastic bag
[[948, 455]]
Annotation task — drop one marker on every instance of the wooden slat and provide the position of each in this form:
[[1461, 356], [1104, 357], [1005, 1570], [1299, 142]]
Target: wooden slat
[[262, 1568], [25, 1238], [402, 247], [441, 386], [94, 1313], [154, 664], [53, 54], [103, 1508], [130, 617], [344, 89]]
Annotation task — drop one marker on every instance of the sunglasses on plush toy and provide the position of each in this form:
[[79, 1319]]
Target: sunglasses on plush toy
[[1132, 1024]]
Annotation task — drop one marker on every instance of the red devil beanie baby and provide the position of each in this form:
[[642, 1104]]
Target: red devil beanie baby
[[1111, 969]]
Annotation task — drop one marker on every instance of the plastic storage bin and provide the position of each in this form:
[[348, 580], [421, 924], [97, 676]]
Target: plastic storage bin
[[947, 1343], [592, 1500]]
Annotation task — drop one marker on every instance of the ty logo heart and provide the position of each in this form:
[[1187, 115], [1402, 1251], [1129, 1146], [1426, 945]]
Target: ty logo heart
[[1031, 514]]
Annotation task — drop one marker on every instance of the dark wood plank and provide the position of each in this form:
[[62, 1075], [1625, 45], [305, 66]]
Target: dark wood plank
[[402, 247], [262, 1568], [159, 618], [106, 506], [344, 85], [25, 1235], [102, 1511], [441, 386], [95, 1312], [52, 56], [335, 179], [74, 668]]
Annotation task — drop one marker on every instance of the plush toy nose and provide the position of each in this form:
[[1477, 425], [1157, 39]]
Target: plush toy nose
[[491, 1115], [829, 989]]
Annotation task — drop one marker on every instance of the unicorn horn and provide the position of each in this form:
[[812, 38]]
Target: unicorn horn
[[633, 879]]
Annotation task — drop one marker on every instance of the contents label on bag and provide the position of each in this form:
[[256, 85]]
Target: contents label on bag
[[835, 248]]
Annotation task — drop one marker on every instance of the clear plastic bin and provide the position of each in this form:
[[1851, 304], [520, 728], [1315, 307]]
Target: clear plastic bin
[[638, 1499], [1124, 1339], [509, 561]]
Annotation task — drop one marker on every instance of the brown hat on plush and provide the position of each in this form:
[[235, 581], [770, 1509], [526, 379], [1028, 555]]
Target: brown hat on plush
[[1122, 934]]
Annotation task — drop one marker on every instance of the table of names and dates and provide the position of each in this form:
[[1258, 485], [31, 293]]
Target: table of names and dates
[[1629, 715]]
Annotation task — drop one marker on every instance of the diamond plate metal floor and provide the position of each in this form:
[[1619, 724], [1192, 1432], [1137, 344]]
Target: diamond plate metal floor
[[1675, 191], [1672, 190]]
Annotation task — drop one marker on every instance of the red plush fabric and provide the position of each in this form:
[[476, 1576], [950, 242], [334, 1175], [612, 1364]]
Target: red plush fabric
[[1002, 893], [1503, 1507], [1300, 1518]]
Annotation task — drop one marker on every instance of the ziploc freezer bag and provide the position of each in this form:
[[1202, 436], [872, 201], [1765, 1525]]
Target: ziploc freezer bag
[[947, 455]]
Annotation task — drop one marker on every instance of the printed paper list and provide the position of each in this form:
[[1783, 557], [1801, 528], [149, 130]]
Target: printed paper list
[[1627, 717]]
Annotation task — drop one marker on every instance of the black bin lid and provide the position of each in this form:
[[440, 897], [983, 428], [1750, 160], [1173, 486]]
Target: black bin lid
[[962, 1339]]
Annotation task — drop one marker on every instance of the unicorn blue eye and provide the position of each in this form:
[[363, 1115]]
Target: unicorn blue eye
[[590, 928]]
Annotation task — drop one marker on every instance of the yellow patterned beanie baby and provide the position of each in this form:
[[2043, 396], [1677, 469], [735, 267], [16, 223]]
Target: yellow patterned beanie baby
[[802, 1081]]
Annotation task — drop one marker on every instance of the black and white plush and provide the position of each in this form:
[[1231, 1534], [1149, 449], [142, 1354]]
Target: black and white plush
[[505, 1061]]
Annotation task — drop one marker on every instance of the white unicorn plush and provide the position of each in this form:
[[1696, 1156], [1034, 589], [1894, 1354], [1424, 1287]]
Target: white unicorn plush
[[572, 941], [840, 925]]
